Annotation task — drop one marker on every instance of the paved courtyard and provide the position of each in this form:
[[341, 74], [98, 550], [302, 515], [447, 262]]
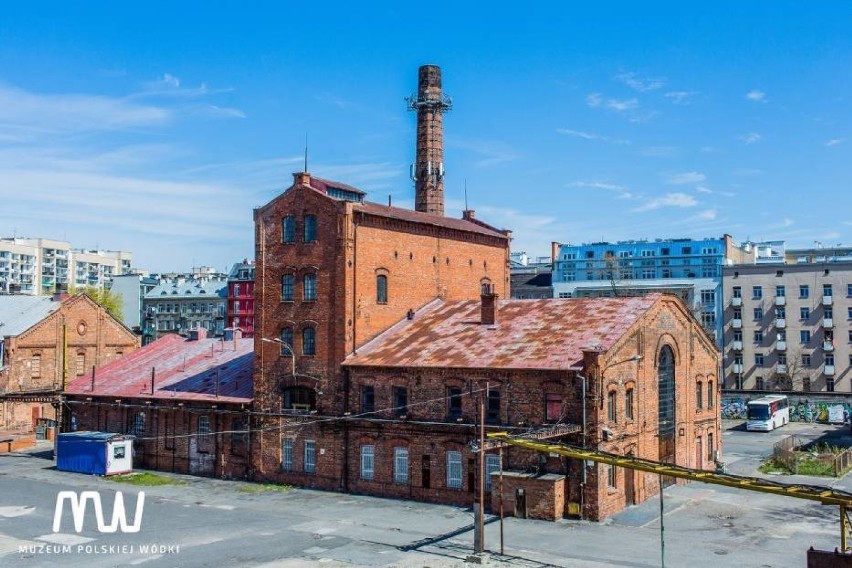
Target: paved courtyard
[[208, 522]]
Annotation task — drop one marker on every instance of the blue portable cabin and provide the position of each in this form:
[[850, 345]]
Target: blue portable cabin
[[96, 453]]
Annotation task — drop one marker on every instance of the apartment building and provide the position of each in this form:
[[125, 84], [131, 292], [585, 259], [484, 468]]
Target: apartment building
[[789, 326], [40, 266], [181, 304], [240, 313], [688, 268]]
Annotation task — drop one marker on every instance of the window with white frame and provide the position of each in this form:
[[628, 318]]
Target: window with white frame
[[454, 470], [138, 424], [492, 464], [203, 429], [400, 465], [367, 461], [310, 461], [287, 454]]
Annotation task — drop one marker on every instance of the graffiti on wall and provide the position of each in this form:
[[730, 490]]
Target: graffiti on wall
[[804, 410]]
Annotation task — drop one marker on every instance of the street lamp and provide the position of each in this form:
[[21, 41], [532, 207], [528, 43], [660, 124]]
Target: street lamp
[[286, 345]]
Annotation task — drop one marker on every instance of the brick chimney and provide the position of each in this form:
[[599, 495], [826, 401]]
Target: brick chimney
[[489, 308], [469, 214], [428, 168], [301, 178]]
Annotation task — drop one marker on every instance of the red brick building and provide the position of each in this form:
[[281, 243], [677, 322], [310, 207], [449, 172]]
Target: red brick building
[[240, 308], [651, 392], [185, 400], [45, 341]]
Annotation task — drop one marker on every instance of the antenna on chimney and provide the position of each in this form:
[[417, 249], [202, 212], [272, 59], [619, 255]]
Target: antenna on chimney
[[306, 153], [465, 194]]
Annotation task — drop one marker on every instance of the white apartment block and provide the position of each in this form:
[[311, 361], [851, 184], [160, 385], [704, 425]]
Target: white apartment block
[[789, 326], [39, 266]]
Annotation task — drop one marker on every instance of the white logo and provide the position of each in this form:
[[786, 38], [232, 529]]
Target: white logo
[[78, 510]]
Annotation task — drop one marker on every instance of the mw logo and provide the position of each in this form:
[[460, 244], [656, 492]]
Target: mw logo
[[79, 502]]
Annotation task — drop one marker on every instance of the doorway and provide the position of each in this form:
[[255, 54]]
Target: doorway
[[425, 471], [520, 503]]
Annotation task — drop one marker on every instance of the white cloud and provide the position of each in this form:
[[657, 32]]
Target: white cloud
[[681, 200], [708, 214], [702, 189], [684, 178], [596, 100], [640, 83], [835, 142], [751, 138], [680, 97], [756, 95], [170, 80], [622, 191], [590, 136]]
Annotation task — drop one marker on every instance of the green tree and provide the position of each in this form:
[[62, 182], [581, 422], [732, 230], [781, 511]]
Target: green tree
[[111, 302]]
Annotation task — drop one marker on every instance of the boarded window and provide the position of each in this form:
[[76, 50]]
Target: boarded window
[[553, 404], [35, 366], [81, 364]]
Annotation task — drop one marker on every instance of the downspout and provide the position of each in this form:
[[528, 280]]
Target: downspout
[[345, 473]]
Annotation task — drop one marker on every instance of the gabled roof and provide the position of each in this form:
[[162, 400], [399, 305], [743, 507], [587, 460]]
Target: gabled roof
[[428, 219], [529, 334], [183, 370], [18, 313], [323, 185]]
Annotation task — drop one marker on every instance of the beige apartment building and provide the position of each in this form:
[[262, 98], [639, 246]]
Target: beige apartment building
[[38, 266], [788, 326]]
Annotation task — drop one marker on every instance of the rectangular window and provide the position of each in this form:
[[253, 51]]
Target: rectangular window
[[711, 395], [400, 465], [309, 344], [492, 464], [737, 292], [806, 360], [454, 403], [711, 449], [287, 455], [849, 313], [628, 404], [804, 291], [381, 289], [708, 297], [758, 383], [829, 360], [804, 313], [758, 313], [780, 291], [758, 359], [757, 292], [35, 367], [368, 399], [287, 342], [310, 461], [203, 429], [288, 229], [400, 401], [367, 462], [288, 282], [492, 412], [309, 292], [81, 364], [829, 384], [758, 336], [553, 407], [804, 336], [454, 470], [310, 228], [782, 358], [610, 477], [849, 290], [139, 424], [699, 395], [826, 290], [611, 410], [780, 312]]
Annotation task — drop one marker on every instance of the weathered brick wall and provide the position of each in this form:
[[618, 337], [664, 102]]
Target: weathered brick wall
[[170, 440], [543, 496]]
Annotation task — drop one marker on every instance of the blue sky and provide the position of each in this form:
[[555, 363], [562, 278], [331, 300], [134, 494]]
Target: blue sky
[[157, 128]]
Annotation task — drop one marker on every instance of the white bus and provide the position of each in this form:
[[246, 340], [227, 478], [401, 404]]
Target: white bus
[[767, 413]]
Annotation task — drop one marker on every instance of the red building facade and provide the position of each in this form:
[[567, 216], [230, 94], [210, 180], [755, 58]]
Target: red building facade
[[240, 307]]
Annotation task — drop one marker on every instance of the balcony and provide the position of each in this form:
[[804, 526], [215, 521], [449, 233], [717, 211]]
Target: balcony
[[737, 323], [780, 300], [738, 368], [827, 323], [780, 323], [736, 302], [829, 370], [828, 346], [781, 368], [781, 345], [737, 345], [827, 300]]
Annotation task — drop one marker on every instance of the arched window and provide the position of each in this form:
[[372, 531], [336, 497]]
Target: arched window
[[300, 398], [310, 228], [699, 395], [485, 286], [382, 289], [666, 407], [288, 284], [287, 337], [309, 292], [309, 346], [288, 229]]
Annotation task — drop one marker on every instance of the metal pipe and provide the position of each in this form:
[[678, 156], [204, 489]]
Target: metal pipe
[[501, 501]]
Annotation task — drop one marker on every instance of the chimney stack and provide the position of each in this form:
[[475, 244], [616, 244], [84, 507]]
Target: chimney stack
[[430, 103], [489, 307]]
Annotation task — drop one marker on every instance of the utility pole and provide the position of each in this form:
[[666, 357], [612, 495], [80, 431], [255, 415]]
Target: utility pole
[[479, 499]]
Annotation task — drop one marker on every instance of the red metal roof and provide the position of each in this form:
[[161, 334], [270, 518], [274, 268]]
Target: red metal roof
[[529, 334], [428, 219], [323, 185], [183, 370]]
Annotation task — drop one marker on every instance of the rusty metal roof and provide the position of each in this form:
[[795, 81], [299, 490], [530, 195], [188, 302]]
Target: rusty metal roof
[[529, 334], [183, 370], [428, 219]]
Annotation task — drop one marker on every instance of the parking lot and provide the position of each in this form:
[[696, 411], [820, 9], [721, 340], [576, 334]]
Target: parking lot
[[208, 522]]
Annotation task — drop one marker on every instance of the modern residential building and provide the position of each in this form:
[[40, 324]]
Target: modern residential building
[[240, 313], [131, 288], [46, 341], [530, 278], [41, 266], [181, 304], [789, 326], [688, 268]]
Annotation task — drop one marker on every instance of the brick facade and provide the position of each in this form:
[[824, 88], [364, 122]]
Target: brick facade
[[39, 359]]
